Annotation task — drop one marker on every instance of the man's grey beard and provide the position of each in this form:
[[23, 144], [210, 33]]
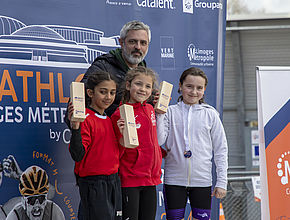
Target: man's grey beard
[[131, 59]]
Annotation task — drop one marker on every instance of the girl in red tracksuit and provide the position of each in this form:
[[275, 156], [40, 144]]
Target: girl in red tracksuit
[[140, 167], [95, 150]]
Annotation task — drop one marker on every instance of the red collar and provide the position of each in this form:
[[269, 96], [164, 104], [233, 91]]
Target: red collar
[[135, 105]]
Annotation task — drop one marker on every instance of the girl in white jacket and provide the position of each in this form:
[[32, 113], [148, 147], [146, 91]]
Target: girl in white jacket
[[192, 133]]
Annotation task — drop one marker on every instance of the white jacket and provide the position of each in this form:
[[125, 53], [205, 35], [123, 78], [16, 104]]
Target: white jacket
[[205, 139]]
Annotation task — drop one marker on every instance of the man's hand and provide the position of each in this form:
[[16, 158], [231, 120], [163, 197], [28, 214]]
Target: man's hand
[[11, 168], [155, 98], [219, 193]]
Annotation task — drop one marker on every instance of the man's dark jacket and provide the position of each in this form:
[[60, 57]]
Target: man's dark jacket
[[113, 63]]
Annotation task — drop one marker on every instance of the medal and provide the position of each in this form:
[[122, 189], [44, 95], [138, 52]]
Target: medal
[[187, 154], [186, 131]]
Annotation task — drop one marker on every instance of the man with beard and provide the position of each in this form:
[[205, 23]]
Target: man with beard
[[34, 204], [134, 40]]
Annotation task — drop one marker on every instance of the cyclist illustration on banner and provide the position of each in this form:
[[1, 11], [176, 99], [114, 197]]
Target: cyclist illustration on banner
[[34, 205], [10, 168]]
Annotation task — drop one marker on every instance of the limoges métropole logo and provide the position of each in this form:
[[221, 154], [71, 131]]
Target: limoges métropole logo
[[199, 56], [283, 162]]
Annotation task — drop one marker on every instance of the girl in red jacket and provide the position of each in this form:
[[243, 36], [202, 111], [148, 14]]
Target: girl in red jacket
[[140, 167], [94, 148]]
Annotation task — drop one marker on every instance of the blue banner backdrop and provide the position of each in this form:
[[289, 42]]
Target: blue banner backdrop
[[45, 45]]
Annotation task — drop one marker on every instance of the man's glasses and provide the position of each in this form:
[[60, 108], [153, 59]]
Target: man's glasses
[[31, 200]]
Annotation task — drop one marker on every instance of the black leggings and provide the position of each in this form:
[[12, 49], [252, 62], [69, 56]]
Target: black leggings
[[176, 198], [100, 197], [139, 203]]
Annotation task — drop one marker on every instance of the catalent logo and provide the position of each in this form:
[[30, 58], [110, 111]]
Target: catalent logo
[[162, 4]]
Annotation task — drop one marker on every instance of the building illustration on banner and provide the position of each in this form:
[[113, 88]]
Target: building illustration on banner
[[52, 43]]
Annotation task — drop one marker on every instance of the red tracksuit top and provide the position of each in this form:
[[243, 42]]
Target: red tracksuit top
[[140, 166], [100, 143]]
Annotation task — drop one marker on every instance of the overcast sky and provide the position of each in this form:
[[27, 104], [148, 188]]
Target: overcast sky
[[276, 6], [271, 6]]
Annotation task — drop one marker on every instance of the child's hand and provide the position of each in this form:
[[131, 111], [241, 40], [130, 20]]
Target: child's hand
[[121, 125], [73, 124], [163, 152], [219, 193], [155, 98], [70, 109]]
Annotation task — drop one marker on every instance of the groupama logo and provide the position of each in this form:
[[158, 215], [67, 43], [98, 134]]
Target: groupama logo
[[188, 6]]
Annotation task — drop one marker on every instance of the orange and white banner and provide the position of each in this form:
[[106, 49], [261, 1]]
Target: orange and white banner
[[273, 92]]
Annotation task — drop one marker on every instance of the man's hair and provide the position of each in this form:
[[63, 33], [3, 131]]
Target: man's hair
[[134, 25]]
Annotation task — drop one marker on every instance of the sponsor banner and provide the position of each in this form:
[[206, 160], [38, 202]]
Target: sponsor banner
[[257, 188], [274, 127], [41, 54], [33, 103], [167, 53]]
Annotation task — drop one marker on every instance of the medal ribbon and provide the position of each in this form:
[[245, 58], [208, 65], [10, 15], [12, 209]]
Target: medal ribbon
[[186, 124]]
